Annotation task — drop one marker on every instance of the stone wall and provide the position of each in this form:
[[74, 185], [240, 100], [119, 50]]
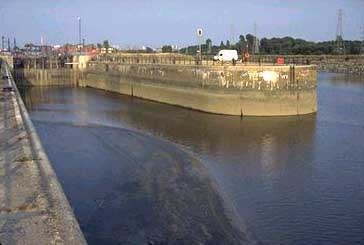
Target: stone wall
[[233, 90]]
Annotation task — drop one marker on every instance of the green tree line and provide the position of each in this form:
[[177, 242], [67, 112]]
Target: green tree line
[[278, 46]]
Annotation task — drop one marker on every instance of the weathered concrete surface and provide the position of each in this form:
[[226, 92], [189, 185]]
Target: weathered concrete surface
[[33, 207], [232, 90], [9, 59], [241, 90], [46, 77], [50, 71]]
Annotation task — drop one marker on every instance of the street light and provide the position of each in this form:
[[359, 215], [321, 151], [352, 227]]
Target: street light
[[79, 35], [199, 33]]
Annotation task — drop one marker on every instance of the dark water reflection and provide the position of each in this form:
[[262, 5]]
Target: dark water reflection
[[292, 180]]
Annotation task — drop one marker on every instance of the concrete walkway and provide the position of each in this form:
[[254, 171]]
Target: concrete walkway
[[33, 207]]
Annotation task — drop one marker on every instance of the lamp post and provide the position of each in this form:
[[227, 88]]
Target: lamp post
[[79, 35], [199, 33]]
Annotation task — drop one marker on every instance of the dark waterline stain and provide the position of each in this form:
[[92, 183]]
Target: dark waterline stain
[[292, 180]]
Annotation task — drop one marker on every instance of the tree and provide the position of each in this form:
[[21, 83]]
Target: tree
[[228, 44], [241, 38], [167, 49], [222, 45], [241, 44], [106, 44], [208, 45], [284, 46], [149, 50], [250, 41]]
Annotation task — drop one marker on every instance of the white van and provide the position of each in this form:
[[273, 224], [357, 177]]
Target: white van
[[227, 55]]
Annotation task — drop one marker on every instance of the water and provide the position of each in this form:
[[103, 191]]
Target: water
[[290, 180]]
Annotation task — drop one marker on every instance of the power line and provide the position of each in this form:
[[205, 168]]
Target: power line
[[339, 42], [339, 27], [362, 41], [232, 34]]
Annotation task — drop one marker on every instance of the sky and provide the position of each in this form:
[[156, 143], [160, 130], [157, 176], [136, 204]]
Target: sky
[[132, 23]]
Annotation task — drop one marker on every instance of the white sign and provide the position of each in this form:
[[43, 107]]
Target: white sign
[[199, 32]]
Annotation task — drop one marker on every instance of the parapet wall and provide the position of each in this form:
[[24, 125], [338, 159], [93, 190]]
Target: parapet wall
[[233, 90]]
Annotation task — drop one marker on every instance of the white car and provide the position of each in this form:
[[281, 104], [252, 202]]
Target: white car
[[226, 55]]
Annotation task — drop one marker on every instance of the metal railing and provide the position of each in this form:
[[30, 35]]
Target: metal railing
[[178, 59], [262, 59], [157, 59], [55, 62]]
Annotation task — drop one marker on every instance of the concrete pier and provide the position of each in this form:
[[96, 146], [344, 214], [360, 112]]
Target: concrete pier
[[33, 206], [240, 90]]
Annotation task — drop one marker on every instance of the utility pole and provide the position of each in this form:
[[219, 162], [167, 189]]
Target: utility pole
[[2, 24], [362, 41], [9, 45], [14, 44], [199, 33], [79, 35], [2, 42], [339, 43], [232, 35]]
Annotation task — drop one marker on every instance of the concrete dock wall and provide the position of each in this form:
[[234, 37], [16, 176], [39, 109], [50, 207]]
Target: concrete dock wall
[[59, 71], [33, 206], [243, 90], [46, 77], [232, 90], [9, 59]]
